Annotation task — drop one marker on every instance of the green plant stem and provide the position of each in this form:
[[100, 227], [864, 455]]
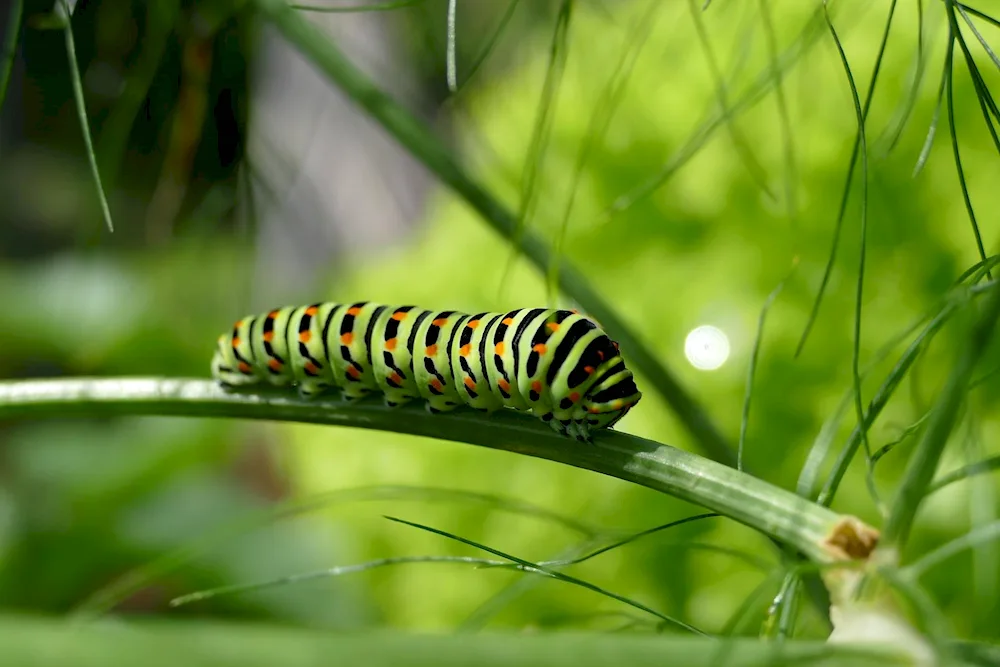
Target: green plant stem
[[10, 46], [923, 464], [161, 19], [48, 643], [775, 512], [423, 145], [984, 534], [965, 472], [81, 112]]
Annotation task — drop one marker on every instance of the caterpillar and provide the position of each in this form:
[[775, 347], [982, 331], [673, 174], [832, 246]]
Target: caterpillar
[[556, 364]]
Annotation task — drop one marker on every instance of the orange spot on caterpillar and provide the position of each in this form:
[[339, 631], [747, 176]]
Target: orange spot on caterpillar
[[353, 372], [536, 387], [553, 326], [305, 336], [399, 317], [346, 338], [472, 325], [236, 342], [600, 354], [440, 322], [311, 367], [268, 336], [499, 348], [390, 344], [273, 315], [464, 351], [508, 321], [311, 310], [353, 311], [615, 343], [469, 382], [589, 370], [594, 411], [617, 405], [238, 324], [540, 348], [274, 365], [431, 350], [244, 367], [503, 384], [574, 397], [436, 384], [395, 378]]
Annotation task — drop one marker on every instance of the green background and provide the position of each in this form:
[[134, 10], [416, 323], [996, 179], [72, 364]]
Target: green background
[[82, 503]]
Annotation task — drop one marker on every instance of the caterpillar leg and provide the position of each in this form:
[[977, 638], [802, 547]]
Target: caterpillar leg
[[556, 425], [395, 400], [355, 394], [437, 406], [578, 429], [310, 390]]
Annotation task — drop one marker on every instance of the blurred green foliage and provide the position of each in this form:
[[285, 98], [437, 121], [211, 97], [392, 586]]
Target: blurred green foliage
[[83, 503]]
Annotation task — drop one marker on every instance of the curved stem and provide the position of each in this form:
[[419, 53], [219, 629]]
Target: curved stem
[[816, 531]]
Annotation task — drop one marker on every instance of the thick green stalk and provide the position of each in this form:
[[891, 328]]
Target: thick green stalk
[[425, 146], [816, 531]]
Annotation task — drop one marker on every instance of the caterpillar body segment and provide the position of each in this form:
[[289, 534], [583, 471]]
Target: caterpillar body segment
[[556, 364]]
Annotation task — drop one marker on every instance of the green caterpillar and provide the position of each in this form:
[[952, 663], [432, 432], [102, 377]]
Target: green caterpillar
[[556, 364]]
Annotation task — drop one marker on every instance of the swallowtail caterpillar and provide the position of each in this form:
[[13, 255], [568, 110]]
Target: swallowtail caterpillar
[[556, 364]]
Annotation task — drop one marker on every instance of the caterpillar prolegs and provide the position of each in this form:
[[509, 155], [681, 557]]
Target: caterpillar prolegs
[[556, 364]]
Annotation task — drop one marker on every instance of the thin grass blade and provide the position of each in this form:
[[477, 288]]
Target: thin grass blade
[[450, 66], [108, 597], [860, 144], [541, 132], [81, 110], [894, 130], [863, 245], [925, 150], [488, 48], [784, 118], [980, 14], [965, 472], [742, 146], [534, 567], [757, 91], [752, 368], [949, 94], [979, 36], [292, 579], [10, 46], [600, 119], [923, 463]]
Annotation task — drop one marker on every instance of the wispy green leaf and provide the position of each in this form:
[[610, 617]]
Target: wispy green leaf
[[81, 110], [537, 569], [979, 468], [337, 571], [860, 145], [752, 369], [923, 464], [10, 46]]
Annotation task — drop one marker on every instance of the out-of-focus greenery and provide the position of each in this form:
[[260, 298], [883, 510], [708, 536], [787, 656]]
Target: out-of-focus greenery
[[82, 503]]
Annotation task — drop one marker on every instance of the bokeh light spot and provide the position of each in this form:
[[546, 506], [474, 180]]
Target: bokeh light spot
[[706, 347]]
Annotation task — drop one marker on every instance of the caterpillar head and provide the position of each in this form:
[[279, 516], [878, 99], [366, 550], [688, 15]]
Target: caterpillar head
[[612, 395]]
